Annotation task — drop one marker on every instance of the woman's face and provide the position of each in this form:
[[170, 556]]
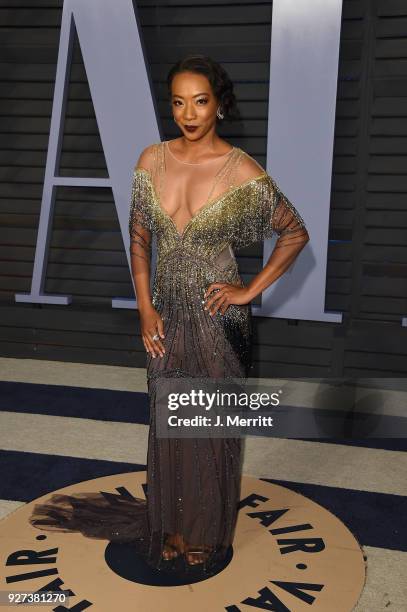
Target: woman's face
[[193, 103]]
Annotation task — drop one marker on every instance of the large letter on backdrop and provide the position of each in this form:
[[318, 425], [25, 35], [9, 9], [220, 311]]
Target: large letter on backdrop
[[125, 111], [302, 102]]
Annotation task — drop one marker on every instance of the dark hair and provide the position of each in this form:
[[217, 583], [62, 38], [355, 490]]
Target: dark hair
[[218, 78]]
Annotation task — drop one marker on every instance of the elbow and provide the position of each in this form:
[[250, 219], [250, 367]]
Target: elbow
[[302, 241], [306, 237]]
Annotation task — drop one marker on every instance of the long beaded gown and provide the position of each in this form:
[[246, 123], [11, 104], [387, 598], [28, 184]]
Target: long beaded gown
[[193, 484]]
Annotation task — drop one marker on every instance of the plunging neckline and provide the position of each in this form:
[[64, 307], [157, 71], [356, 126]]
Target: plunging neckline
[[223, 195]]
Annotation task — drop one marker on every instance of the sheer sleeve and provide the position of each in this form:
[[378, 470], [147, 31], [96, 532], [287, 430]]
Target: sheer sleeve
[[286, 221], [265, 211], [140, 221]]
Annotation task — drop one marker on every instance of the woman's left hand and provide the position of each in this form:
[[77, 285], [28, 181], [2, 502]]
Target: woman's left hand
[[227, 294]]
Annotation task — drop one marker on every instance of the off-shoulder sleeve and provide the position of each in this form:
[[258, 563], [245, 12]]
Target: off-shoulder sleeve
[[265, 211], [140, 218]]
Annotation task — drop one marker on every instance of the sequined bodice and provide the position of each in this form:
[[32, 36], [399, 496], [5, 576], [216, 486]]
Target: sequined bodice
[[237, 213], [206, 234]]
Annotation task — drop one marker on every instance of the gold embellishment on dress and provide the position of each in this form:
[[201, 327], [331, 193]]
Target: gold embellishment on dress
[[226, 171], [139, 221]]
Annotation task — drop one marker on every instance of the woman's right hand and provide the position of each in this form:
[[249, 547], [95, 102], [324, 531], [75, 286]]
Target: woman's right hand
[[151, 323]]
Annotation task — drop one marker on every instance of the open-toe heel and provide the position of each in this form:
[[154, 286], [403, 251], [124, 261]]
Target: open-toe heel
[[170, 552], [172, 548], [196, 555]]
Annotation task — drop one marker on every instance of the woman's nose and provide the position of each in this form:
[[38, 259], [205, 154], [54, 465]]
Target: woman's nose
[[189, 112]]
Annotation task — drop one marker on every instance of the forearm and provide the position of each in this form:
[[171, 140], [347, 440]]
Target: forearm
[[142, 286], [279, 261], [140, 259]]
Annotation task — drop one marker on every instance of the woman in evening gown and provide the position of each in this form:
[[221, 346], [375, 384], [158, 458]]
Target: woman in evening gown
[[201, 198]]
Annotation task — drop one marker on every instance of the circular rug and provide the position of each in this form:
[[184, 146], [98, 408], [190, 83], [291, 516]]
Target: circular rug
[[289, 553]]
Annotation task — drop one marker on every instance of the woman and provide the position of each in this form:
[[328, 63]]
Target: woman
[[201, 197]]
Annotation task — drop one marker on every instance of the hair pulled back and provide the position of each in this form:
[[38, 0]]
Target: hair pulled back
[[218, 78]]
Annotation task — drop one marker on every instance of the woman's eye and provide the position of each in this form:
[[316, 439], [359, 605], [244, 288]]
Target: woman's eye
[[204, 100]]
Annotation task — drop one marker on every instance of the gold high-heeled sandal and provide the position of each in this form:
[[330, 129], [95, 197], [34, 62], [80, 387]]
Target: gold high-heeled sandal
[[204, 551], [171, 547], [172, 550]]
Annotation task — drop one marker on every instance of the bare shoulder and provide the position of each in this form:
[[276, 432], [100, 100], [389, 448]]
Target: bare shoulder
[[248, 168], [146, 158]]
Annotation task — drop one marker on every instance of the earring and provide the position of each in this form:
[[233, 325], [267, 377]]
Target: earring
[[219, 114]]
